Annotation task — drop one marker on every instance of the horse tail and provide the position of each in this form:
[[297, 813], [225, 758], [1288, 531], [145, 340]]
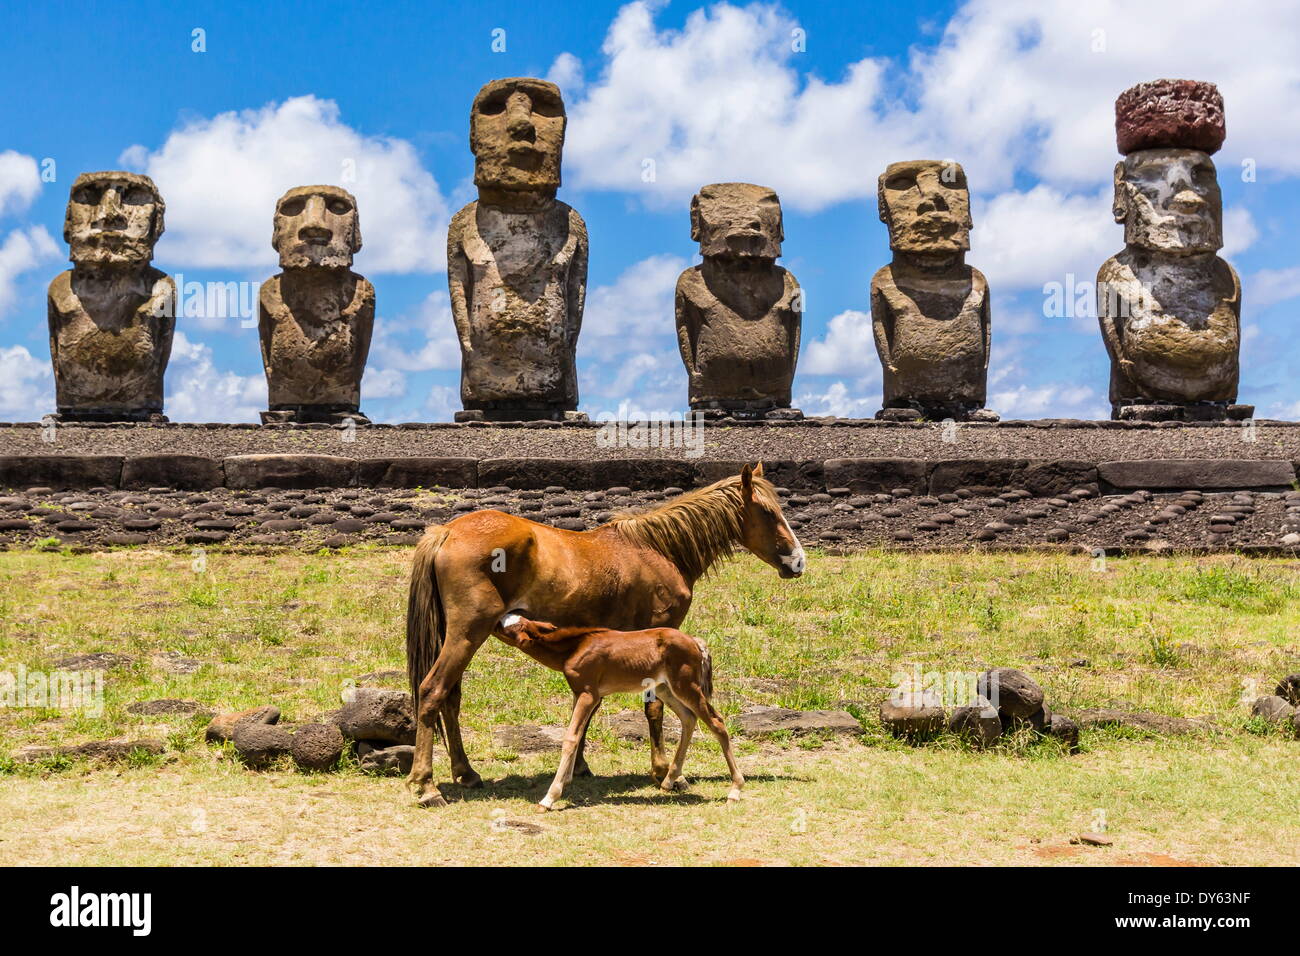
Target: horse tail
[[706, 669], [425, 624]]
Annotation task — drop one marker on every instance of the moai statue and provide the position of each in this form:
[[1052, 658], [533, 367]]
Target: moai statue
[[929, 309], [1169, 307], [315, 318], [112, 314], [738, 312], [517, 261]]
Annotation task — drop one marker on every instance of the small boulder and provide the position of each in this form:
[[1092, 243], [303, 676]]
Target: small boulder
[[317, 746], [1012, 692], [528, 738], [375, 713], [1274, 709], [912, 715], [168, 707], [977, 723], [261, 744], [1065, 730], [389, 762], [223, 726], [757, 721]]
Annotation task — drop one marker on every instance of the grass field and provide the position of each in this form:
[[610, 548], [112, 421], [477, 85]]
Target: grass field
[[1188, 637]]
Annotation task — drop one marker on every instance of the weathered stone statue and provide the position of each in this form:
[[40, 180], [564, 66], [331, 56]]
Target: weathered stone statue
[[929, 309], [315, 318], [112, 315], [1169, 307], [738, 312], [517, 261]]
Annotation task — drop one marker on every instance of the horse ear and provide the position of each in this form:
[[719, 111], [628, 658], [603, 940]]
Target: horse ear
[[758, 470], [747, 481]]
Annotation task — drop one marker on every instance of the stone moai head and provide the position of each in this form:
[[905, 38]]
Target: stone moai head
[[113, 218], [1166, 188], [516, 132], [926, 205], [737, 220], [316, 226]]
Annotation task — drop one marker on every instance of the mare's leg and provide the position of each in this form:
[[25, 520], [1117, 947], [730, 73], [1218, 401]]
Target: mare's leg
[[461, 641], [674, 780], [583, 707], [694, 698], [461, 771], [654, 718]]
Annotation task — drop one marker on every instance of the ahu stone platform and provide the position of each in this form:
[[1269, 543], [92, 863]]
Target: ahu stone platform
[[846, 484]]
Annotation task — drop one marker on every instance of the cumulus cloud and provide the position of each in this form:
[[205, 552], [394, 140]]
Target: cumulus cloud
[[197, 391], [841, 401], [20, 182], [1022, 240], [1059, 400], [633, 312], [26, 385], [847, 348], [418, 342], [22, 250], [222, 176]]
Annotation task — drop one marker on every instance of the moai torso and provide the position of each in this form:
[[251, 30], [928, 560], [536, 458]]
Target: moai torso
[[111, 316], [739, 313], [519, 296], [517, 260], [316, 317], [929, 309], [935, 332], [315, 332]]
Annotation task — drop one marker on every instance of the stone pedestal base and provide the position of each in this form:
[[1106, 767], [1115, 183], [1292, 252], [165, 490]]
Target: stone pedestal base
[[520, 415], [314, 415], [71, 415], [1126, 411], [716, 413], [937, 413]]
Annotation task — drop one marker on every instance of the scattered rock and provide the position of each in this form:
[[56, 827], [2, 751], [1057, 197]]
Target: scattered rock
[[107, 750], [317, 746], [388, 761], [102, 661], [1139, 720], [1065, 730], [261, 744], [528, 738], [1273, 709], [756, 721], [168, 706], [1012, 692], [1091, 839], [977, 723], [912, 715], [1288, 689], [223, 727], [375, 713]]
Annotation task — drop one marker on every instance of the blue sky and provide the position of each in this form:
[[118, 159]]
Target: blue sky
[[812, 99]]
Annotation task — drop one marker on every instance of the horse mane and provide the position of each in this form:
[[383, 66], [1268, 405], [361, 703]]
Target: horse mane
[[696, 529]]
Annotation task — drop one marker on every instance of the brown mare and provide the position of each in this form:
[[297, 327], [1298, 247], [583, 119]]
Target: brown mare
[[597, 662], [635, 572]]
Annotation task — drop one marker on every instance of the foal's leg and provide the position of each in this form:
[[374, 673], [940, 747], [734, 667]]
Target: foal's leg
[[654, 718], [674, 779], [580, 768], [694, 698], [583, 707]]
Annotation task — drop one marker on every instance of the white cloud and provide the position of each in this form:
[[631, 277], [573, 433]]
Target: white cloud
[[22, 250], [197, 391], [1023, 239], [382, 383], [26, 385], [840, 402], [847, 348], [20, 182], [566, 73], [634, 312], [222, 176], [420, 342], [1239, 232], [1271, 286], [1056, 400]]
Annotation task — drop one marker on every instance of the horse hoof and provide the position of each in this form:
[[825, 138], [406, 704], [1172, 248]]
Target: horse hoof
[[471, 781], [431, 799], [681, 783], [542, 808]]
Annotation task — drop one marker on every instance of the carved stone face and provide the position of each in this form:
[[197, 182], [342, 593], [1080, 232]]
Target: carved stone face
[[1169, 201], [316, 226], [516, 132], [113, 218], [926, 205], [737, 220]]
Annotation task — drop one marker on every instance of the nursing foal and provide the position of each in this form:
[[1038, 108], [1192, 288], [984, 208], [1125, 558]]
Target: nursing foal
[[597, 661]]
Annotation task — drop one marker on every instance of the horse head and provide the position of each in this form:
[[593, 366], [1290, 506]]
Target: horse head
[[764, 531]]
